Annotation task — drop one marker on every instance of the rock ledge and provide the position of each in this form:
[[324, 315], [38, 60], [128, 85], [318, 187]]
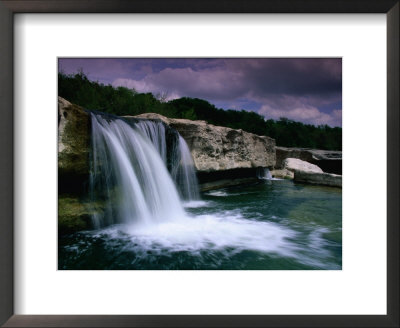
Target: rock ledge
[[217, 148]]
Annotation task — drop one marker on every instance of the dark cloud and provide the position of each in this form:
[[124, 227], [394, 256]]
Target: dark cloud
[[290, 76]]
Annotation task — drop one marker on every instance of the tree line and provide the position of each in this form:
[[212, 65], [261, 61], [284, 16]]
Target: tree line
[[78, 89]]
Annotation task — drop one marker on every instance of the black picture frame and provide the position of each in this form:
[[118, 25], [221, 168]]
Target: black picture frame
[[10, 7]]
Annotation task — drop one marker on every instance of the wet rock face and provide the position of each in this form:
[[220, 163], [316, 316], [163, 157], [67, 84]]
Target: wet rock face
[[217, 148], [73, 215], [73, 167], [73, 147]]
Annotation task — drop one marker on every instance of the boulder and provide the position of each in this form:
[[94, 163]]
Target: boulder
[[326, 179], [282, 153], [217, 148], [328, 160], [294, 164]]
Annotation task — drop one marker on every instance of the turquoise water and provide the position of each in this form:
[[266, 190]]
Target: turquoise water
[[270, 225]]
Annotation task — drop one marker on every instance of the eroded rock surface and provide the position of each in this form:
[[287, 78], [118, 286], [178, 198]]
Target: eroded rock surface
[[73, 167], [73, 145], [217, 148]]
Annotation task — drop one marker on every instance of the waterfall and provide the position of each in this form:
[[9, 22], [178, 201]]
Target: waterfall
[[183, 171], [129, 176], [263, 173], [178, 158], [155, 131]]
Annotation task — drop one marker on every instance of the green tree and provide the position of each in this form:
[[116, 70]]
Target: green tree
[[78, 89]]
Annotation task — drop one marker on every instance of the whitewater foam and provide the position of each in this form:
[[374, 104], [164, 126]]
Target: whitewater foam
[[227, 232], [196, 204]]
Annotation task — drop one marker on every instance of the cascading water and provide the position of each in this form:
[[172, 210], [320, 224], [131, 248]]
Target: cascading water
[[155, 131], [179, 159], [138, 168], [264, 173], [183, 171], [129, 175]]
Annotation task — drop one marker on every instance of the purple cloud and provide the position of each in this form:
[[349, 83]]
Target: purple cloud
[[304, 89]]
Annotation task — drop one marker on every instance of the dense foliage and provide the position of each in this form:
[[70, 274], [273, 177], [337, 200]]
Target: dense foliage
[[80, 90]]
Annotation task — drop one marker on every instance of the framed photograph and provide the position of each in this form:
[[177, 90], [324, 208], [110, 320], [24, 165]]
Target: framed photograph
[[152, 175], [183, 165]]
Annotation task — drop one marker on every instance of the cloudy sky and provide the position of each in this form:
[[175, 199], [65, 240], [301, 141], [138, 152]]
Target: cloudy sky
[[302, 89]]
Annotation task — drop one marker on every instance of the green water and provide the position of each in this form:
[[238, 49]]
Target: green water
[[271, 225]]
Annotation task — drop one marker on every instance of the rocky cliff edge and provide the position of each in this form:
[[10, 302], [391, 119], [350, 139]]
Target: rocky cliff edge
[[217, 148]]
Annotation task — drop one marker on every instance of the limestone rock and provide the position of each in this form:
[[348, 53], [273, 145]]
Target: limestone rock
[[294, 164], [328, 160], [73, 145], [283, 152], [217, 148], [282, 174], [326, 179]]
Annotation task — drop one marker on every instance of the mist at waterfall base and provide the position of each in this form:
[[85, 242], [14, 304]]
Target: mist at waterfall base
[[155, 219]]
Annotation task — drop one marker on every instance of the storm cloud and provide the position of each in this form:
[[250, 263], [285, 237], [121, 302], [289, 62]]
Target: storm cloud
[[303, 89]]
